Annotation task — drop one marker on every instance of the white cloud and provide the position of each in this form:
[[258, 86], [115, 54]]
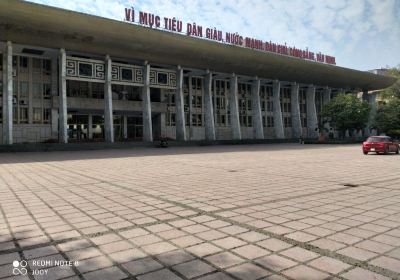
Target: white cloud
[[351, 30]]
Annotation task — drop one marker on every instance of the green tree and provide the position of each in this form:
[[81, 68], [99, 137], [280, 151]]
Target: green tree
[[346, 112], [394, 90], [387, 118]]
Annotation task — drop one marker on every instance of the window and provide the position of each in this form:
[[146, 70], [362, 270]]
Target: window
[[85, 69], [287, 121], [37, 115], [46, 91], [46, 115], [23, 93], [77, 89], [37, 65], [303, 106], [37, 90], [133, 93], [23, 64], [244, 92], [97, 90], [118, 92], [126, 74], [47, 67], [221, 102], [162, 78], [270, 121], [170, 119], [23, 115]]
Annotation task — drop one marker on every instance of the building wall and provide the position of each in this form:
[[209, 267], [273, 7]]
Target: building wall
[[223, 132], [247, 132], [32, 133], [269, 133]]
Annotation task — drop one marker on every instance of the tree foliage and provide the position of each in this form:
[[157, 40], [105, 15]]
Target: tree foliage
[[346, 112], [387, 118], [394, 90]]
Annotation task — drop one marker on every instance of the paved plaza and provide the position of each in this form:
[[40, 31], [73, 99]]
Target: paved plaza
[[282, 211]]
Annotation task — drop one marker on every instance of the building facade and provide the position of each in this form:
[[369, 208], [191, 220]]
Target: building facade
[[70, 77]]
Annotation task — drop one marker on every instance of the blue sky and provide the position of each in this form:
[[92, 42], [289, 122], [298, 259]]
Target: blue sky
[[361, 34]]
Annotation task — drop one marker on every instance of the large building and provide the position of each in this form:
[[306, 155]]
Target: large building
[[68, 77]]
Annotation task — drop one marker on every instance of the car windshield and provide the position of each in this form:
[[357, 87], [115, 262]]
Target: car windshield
[[378, 139]]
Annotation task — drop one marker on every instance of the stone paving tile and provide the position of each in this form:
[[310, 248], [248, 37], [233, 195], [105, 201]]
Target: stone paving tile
[[163, 274], [329, 264], [362, 274], [224, 260], [388, 263], [175, 257], [303, 272], [275, 262], [193, 268], [299, 254], [248, 271], [142, 266], [251, 251], [109, 210], [105, 274]]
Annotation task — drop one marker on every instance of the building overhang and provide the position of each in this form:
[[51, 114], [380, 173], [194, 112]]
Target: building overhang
[[38, 25]]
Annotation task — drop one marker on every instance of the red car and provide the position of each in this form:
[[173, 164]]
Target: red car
[[380, 144]]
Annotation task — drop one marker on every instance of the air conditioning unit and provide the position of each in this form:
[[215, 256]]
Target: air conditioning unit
[[23, 102]]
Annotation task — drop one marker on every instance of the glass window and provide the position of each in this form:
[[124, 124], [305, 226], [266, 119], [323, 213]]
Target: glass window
[[126, 74], [37, 115], [85, 69], [46, 91], [98, 90], [37, 65], [37, 90], [46, 115], [162, 78], [23, 115], [23, 63], [46, 66], [23, 90]]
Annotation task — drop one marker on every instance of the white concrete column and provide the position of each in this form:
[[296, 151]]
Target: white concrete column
[[258, 129], [234, 108], [208, 108], [326, 97], [278, 121], [180, 125], [190, 91], [146, 103], [108, 106], [312, 120], [297, 130], [8, 96], [90, 126], [125, 126], [62, 99], [54, 92]]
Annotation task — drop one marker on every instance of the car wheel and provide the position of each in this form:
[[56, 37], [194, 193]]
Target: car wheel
[[365, 152], [386, 150]]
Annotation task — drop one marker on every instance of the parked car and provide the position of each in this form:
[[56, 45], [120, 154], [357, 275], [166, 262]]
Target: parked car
[[380, 144]]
